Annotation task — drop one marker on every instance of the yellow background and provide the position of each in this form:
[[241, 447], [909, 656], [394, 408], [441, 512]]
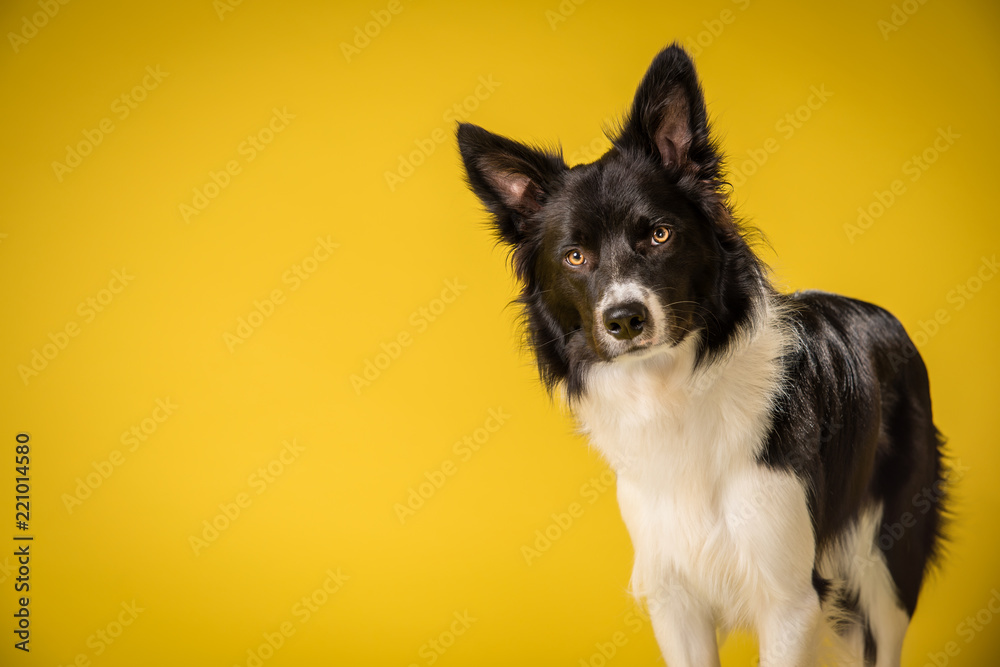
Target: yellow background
[[558, 72]]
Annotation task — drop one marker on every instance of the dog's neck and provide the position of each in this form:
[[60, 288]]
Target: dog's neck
[[640, 409]]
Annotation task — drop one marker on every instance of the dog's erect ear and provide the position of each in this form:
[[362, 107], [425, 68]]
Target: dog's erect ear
[[668, 120], [511, 179]]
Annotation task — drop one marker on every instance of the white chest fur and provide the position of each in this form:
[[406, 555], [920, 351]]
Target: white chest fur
[[701, 511]]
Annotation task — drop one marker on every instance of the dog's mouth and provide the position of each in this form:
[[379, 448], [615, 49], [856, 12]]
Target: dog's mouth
[[608, 347], [665, 330], [640, 348], [612, 350]]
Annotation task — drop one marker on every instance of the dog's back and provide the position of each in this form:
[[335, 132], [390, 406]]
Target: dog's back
[[877, 481]]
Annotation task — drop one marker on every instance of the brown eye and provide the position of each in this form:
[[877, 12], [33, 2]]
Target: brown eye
[[575, 258], [660, 235]]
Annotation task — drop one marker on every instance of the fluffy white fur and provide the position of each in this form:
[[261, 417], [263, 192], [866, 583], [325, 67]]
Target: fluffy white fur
[[720, 540], [858, 565]]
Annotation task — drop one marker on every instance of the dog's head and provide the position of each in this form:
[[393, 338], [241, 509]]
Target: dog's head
[[628, 254]]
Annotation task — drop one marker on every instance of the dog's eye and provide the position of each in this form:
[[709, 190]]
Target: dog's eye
[[660, 235], [575, 258]]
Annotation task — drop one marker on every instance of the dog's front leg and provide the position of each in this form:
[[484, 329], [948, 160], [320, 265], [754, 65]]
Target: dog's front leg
[[684, 627], [789, 632]]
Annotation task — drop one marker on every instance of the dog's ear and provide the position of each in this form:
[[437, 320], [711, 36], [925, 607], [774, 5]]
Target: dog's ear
[[668, 120], [512, 180]]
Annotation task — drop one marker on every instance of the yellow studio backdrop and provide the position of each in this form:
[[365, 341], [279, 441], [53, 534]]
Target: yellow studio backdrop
[[256, 332]]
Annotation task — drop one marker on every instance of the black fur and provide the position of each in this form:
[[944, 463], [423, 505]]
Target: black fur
[[854, 420], [620, 196]]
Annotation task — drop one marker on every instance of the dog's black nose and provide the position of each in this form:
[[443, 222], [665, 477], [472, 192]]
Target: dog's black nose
[[625, 321]]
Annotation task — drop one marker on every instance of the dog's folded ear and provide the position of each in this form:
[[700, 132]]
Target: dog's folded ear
[[512, 180], [668, 120]]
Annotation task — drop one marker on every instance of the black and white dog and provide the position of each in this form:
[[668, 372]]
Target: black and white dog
[[761, 440]]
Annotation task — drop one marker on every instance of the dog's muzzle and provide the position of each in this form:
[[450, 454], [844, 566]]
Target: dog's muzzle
[[626, 321], [627, 318]]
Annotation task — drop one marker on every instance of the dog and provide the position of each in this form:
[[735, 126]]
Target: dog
[[760, 440]]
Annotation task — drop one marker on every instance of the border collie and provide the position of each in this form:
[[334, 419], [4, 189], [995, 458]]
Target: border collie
[[761, 440]]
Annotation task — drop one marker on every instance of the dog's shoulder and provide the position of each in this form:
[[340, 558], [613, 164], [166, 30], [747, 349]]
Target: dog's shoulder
[[812, 310]]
